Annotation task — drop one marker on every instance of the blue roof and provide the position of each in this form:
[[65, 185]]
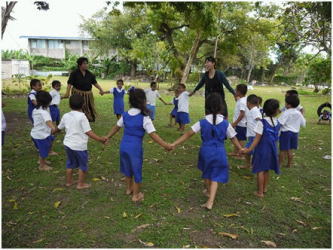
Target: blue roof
[[57, 37]]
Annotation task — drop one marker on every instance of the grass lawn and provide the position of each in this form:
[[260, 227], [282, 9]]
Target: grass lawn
[[296, 211]]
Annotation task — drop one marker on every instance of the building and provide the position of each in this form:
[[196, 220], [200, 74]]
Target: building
[[10, 68], [55, 47]]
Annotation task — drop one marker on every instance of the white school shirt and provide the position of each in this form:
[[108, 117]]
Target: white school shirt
[[259, 129], [183, 102], [76, 126], [55, 97], [31, 96], [219, 118], [3, 122], [147, 122], [119, 90], [40, 130], [292, 120], [240, 106], [151, 96], [299, 108], [251, 122]]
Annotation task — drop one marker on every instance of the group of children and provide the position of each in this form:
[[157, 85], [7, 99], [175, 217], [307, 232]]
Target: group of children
[[260, 128]]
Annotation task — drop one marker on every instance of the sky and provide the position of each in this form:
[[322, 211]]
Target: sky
[[62, 19]]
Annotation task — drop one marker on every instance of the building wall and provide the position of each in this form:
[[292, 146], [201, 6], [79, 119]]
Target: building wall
[[13, 67]]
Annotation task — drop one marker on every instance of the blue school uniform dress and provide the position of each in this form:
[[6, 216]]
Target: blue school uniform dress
[[212, 155], [54, 106], [174, 111], [118, 101], [265, 155], [131, 150], [31, 106]]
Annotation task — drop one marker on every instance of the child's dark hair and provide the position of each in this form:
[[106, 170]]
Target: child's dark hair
[[43, 99], [120, 81], [211, 59], [259, 100], [76, 102], [182, 85], [152, 84], [55, 83], [271, 107], [252, 99], [242, 88], [81, 60], [137, 99], [292, 100], [214, 105], [292, 92], [34, 82]]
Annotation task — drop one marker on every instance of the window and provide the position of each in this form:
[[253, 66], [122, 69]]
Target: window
[[55, 44], [40, 44], [33, 44]]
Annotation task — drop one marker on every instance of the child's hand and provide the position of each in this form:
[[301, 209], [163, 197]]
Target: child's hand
[[169, 147], [244, 151], [104, 139]]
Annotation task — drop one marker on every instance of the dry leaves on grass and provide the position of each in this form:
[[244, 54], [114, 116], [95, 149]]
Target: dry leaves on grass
[[231, 215], [301, 222], [296, 199], [58, 189], [232, 236], [140, 227], [96, 179], [269, 243], [178, 210], [37, 241], [125, 215], [146, 244], [57, 204]]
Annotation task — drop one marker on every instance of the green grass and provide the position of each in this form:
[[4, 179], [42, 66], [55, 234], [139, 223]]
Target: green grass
[[94, 217]]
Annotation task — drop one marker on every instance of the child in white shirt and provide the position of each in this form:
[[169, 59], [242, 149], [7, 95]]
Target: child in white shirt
[[78, 130], [35, 86], [42, 128], [182, 116], [299, 107], [54, 106], [291, 121], [151, 95]]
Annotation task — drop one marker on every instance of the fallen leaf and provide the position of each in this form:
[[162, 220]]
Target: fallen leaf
[[37, 241], [142, 226], [150, 141], [58, 189], [96, 179], [231, 215], [107, 217], [137, 216], [57, 204], [103, 178], [124, 215], [269, 243], [233, 236], [187, 246], [301, 222], [296, 199], [316, 228], [282, 234], [294, 231], [178, 210], [147, 244], [15, 206]]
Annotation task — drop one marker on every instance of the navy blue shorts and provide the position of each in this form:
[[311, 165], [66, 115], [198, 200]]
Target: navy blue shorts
[[288, 140], [55, 113], [77, 159], [152, 111], [250, 140], [241, 133], [43, 145], [182, 118]]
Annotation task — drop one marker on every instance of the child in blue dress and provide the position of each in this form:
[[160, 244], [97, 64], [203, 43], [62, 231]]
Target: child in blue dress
[[136, 123], [212, 155], [265, 155], [118, 98], [35, 86], [174, 111], [43, 126], [54, 106]]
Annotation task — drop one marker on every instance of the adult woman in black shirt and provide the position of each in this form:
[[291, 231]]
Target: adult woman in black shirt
[[80, 82]]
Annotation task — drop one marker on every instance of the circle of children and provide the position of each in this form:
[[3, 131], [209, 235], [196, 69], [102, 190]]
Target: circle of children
[[260, 127]]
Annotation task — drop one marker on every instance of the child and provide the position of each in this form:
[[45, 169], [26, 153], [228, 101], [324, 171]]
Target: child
[[265, 155], [239, 119], [291, 121], [42, 128], [182, 116], [253, 115], [3, 128], [78, 130], [299, 107], [151, 95], [212, 155], [135, 122], [35, 85], [54, 107], [118, 98], [260, 107], [175, 109]]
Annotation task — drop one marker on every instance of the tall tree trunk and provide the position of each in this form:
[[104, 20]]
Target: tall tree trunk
[[133, 69], [194, 51], [5, 15], [275, 67], [249, 73]]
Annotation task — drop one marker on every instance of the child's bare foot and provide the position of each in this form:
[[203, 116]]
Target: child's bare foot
[[207, 205], [258, 194], [53, 153], [139, 197], [205, 192], [69, 184], [83, 186], [44, 168], [128, 191]]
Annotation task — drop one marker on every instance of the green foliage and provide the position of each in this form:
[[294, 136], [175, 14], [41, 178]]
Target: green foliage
[[319, 72]]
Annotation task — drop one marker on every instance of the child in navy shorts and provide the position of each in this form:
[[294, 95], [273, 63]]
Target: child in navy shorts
[[78, 130], [291, 121]]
